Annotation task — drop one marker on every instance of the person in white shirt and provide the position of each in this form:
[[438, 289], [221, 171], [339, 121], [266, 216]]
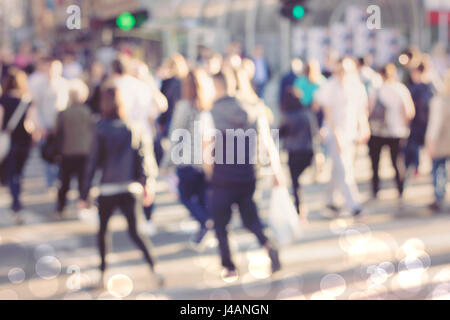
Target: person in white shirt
[[50, 93], [392, 109], [345, 103]]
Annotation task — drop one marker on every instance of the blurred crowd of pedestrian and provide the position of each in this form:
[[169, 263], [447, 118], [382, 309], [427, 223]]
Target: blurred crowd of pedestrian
[[115, 126]]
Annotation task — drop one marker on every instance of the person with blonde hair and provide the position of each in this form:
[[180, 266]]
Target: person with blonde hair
[[73, 134], [437, 141], [192, 184]]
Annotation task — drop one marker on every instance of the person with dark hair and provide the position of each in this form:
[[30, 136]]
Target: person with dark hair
[[298, 130], [192, 184], [391, 109], [120, 153], [175, 69], [14, 103], [422, 92], [231, 182]]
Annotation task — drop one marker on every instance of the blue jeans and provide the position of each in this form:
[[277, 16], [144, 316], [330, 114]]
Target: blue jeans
[[192, 191], [412, 154], [440, 178], [15, 163]]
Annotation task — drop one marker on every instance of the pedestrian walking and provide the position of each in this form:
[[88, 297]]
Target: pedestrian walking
[[231, 182], [14, 104], [298, 131], [120, 153], [345, 103], [391, 111], [437, 141], [74, 135], [192, 185], [422, 93]]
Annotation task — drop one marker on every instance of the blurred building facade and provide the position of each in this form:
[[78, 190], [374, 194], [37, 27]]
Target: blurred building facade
[[187, 25]]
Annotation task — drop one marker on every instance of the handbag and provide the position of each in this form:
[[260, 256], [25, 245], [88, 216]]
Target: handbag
[[283, 218], [49, 149], [5, 135]]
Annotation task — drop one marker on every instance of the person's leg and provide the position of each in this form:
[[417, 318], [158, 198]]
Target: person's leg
[[80, 168], [130, 207], [249, 213], [346, 172], [14, 169], [66, 173], [375, 146], [439, 179], [188, 188], [251, 220], [295, 173], [397, 163], [220, 201], [106, 206]]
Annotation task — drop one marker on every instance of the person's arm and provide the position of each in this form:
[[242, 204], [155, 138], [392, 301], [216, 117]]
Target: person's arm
[[2, 112], [208, 139], [59, 133], [93, 160], [363, 118], [409, 109], [434, 125], [179, 121]]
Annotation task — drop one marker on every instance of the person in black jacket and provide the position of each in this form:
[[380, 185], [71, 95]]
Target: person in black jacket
[[14, 90], [299, 129], [121, 155]]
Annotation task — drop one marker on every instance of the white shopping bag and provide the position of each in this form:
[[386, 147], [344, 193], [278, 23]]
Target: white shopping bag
[[89, 216], [283, 219]]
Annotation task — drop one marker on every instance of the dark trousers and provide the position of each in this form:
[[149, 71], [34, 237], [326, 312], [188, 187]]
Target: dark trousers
[[220, 201], [14, 165], [412, 154], [298, 162], [129, 206], [376, 144], [192, 191], [70, 166]]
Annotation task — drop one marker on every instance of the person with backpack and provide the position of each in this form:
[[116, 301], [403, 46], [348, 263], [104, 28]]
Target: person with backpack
[[14, 104], [391, 110], [437, 141]]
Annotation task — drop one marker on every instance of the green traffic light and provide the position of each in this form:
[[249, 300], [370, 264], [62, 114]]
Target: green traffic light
[[298, 12], [126, 21]]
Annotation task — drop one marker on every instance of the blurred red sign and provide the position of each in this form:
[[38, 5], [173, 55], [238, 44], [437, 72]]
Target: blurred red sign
[[434, 17]]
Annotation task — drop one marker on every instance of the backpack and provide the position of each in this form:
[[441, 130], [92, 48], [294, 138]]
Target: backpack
[[377, 119]]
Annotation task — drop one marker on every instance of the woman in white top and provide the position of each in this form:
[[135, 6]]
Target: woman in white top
[[391, 110]]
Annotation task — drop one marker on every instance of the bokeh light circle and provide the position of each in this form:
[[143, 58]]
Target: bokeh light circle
[[16, 275], [48, 267], [120, 286], [333, 285]]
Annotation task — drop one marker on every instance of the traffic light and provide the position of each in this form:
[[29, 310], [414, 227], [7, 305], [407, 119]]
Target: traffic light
[[128, 21], [294, 10]]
